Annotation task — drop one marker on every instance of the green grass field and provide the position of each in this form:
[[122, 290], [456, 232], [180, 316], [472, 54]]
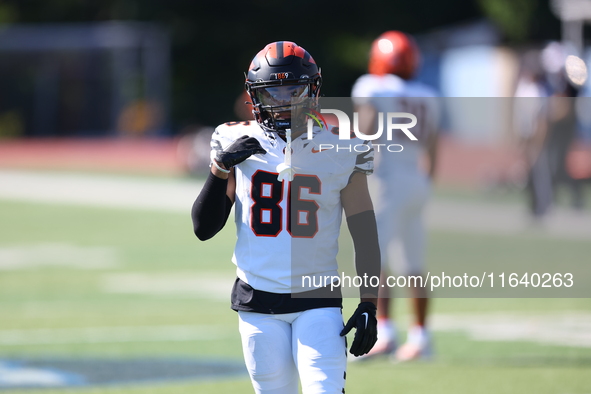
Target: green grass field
[[87, 282]]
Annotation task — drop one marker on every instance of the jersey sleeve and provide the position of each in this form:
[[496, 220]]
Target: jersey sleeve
[[364, 160], [363, 87], [362, 90], [220, 139]]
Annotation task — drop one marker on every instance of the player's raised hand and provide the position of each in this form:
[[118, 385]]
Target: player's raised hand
[[366, 325], [238, 151]]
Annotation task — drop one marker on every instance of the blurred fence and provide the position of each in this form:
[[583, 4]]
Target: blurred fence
[[79, 80]]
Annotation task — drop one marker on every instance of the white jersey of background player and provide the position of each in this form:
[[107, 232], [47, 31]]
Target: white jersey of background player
[[287, 227], [401, 184]]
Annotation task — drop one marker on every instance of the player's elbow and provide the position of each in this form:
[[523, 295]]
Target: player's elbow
[[202, 237], [209, 218], [202, 233]]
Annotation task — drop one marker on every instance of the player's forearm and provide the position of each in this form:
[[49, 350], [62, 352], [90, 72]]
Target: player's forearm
[[211, 208], [364, 233]]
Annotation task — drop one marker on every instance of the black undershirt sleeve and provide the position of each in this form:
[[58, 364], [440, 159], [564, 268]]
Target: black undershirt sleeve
[[211, 208], [364, 233]]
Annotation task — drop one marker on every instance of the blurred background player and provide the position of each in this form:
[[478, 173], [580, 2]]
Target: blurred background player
[[545, 120], [562, 119], [402, 181], [530, 123]]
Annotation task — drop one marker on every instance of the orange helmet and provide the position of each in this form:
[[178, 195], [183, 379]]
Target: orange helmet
[[394, 53]]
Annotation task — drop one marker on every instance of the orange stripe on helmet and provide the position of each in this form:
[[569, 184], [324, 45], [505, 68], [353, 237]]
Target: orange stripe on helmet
[[299, 52], [272, 50], [288, 48]]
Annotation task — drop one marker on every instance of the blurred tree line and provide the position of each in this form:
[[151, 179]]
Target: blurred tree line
[[213, 42]]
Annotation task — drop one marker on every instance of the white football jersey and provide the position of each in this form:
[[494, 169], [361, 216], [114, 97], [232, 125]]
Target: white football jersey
[[281, 239], [390, 93]]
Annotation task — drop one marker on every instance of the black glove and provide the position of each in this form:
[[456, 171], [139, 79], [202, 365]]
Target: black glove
[[366, 324], [238, 151]]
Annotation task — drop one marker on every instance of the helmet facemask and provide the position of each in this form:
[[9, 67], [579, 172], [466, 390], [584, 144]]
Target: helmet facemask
[[276, 104]]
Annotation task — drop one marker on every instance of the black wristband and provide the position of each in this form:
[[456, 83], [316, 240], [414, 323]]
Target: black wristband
[[211, 208], [364, 232]]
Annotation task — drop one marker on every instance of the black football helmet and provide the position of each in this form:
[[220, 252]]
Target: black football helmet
[[278, 76]]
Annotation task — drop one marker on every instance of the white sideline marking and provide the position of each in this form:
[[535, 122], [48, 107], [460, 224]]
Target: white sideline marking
[[565, 329], [53, 336]]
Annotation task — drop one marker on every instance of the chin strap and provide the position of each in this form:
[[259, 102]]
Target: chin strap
[[285, 170]]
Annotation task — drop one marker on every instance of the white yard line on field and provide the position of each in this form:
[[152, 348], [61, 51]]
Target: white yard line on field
[[32, 256], [572, 329], [506, 219], [53, 336], [563, 329], [99, 190], [177, 195], [201, 284]]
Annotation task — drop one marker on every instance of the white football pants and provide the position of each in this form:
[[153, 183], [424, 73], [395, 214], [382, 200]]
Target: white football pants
[[277, 348], [400, 203]]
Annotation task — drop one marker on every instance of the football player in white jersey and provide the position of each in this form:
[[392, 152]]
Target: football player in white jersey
[[402, 180], [289, 198]]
